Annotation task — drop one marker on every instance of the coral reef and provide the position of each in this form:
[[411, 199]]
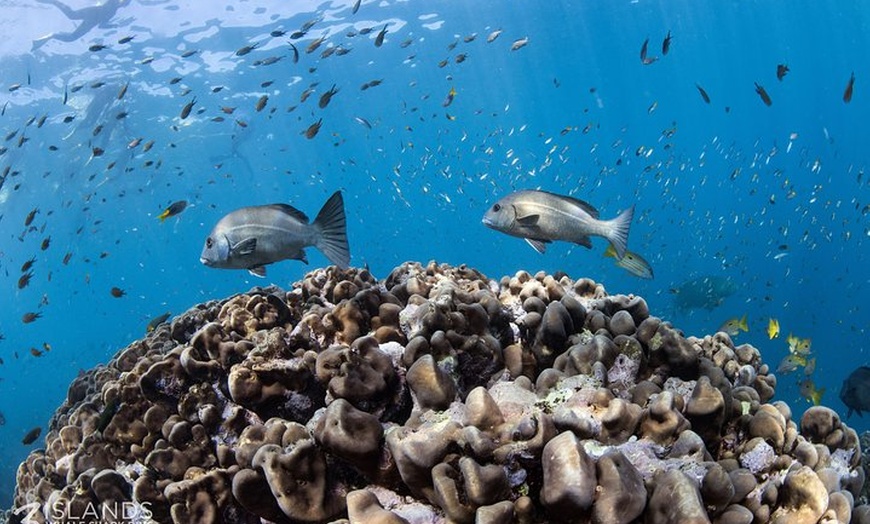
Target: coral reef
[[438, 395]]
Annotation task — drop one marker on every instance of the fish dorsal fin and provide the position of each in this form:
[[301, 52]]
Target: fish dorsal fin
[[244, 247], [290, 210], [585, 206], [258, 271], [538, 245]]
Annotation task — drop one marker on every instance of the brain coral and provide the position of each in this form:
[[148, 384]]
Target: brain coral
[[437, 395]]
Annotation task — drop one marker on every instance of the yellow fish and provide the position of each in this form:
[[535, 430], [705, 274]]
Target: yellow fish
[[773, 328], [810, 393], [733, 326], [790, 363], [799, 346], [631, 262]]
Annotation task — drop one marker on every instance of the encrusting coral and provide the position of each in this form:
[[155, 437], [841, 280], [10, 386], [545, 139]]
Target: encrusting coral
[[438, 395]]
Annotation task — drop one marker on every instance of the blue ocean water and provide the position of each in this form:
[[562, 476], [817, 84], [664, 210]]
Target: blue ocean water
[[772, 198]]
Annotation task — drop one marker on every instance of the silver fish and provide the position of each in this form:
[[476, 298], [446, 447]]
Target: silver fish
[[541, 217], [251, 237]]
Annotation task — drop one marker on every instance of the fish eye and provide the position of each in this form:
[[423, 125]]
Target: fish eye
[[209, 243], [496, 208]]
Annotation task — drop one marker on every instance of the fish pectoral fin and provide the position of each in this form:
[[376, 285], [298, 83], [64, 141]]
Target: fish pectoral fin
[[585, 242], [538, 245], [244, 247], [528, 220], [258, 271]]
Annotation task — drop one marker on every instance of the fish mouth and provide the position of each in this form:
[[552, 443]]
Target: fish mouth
[[204, 261], [487, 222]]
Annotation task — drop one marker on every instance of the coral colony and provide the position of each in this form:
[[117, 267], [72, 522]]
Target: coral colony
[[438, 395]]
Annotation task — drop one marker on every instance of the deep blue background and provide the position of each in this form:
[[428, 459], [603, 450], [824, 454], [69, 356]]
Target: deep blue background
[[567, 113]]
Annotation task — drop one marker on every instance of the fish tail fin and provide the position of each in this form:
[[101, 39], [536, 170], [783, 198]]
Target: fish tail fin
[[744, 323], [331, 227], [817, 396], [610, 252], [618, 231]]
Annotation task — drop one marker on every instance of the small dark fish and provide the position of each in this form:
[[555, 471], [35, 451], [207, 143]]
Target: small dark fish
[[704, 94], [666, 44], [24, 280], [295, 53], [379, 40], [242, 51], [107, 414], [31, 436], [189, 53], [45, 243], [847, 94], [763, 94], [126, 39], [643, 50], [449, 98], [156, 321], [35, 352], [29, 317], [326, 97], [781, 71], [296, 35], [253, 237], [312, 47], [355, 7], [185, 111], [66, 258], [261, 103], [30, 216], [175, 80], [313, 129], [97, 47], [277, 33], [123, 91], [117, 292], [28, 264], [97, 152], [174, 209]]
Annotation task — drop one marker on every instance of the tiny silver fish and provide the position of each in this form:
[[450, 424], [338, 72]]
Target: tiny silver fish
[[540, 217], [252, 237]]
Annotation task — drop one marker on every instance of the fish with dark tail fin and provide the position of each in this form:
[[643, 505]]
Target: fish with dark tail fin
[[847, 94], [541, 217], [174, 209], [253, 237], [781, 71], [379, 39], [763, 94], [666, 44]]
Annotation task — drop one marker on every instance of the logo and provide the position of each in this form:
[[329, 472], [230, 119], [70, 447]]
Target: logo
[[115, 513], [29, 511]]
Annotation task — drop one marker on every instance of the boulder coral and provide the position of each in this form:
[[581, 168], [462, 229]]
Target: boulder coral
[[438, 395]]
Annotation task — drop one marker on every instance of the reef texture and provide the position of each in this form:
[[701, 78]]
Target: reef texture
[[438, 395]]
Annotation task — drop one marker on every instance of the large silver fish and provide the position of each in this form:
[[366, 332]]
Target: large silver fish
[[252, 237], [541, 217]]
